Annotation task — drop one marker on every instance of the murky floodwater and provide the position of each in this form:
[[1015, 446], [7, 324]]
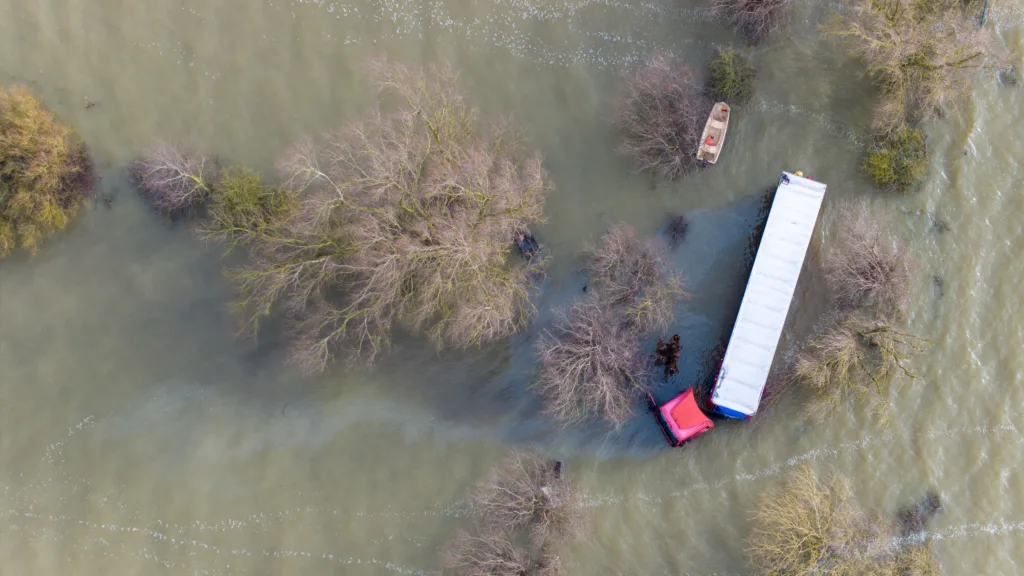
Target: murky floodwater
[[138, 437]]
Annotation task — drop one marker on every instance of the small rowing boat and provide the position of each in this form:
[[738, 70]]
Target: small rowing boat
[[714, 134]]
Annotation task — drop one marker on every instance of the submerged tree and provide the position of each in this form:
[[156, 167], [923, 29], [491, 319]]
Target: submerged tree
[[45, 172], [808, 527], [634, 274], [494, 553], [922, 53], [756, 19], [526, 492], [525, 509], [405, 218], [861, 349], [174, 180], [864, 265], [591, 363], [661, 116]]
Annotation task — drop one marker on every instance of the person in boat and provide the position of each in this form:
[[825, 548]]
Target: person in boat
[[526, 243]]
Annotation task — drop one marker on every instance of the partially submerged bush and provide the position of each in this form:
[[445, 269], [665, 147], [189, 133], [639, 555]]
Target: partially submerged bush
[[591, 365], [174, 180], [526, 492], [661, 116], [732, 77], [756, 19], [897, 159], [45, 172], [858, 357], [808, 527], [922, 53], [406, 218], [864, 266]]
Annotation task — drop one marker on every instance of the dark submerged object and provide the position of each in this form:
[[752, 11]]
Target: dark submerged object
[[667, 354], [677, 229], [914, 518], [526, 243], [558, 469]]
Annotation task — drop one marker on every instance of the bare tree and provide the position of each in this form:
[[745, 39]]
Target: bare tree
[[174, 180], [494, 553], [923, 54], [864, 265], [406, 219], [525, 492], [757, 19], [661, 115], [490, 553], [591, 365], [635, 275]]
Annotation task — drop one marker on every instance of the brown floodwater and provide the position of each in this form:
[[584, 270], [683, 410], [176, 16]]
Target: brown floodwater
[[137, 436]]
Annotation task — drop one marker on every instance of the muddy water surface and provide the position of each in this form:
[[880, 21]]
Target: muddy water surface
[[138, 437]]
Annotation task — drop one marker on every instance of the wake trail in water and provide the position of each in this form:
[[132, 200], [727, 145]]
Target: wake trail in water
[[198, 545], [972, 530], [592, 500]]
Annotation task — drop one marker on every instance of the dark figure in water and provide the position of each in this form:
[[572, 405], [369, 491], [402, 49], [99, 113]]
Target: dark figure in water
[[526, 243], [914, 518], [677, 228], [668, 354], [558, 469]]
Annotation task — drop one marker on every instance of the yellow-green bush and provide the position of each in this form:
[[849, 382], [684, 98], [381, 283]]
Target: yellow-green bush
[[811, 527], [732, 77], [241, 209], [898, 159], [45, 173]]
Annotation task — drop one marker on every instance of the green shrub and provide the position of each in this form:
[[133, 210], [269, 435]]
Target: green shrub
[[897, 160], [241, 208], [732, 77], [45, 173]]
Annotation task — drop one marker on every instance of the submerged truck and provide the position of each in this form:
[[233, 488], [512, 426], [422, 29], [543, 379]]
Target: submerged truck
[[743, 373]]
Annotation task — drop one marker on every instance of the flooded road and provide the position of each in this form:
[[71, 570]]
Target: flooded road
[[137, 436]]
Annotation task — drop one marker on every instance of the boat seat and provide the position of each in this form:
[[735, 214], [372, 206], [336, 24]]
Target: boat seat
[[717, 124]]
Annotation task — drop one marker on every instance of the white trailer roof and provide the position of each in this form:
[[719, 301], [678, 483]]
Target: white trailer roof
[[773, 278]]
